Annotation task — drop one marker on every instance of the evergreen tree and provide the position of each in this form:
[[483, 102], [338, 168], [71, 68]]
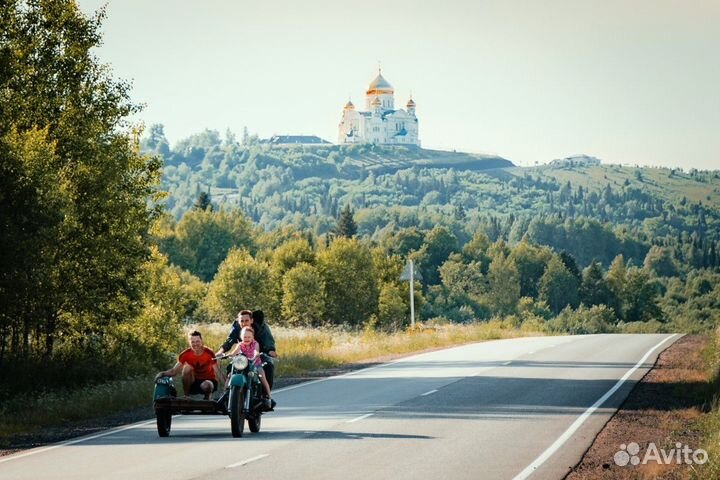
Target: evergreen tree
[[570, 263], [346, 226], [203, 201]]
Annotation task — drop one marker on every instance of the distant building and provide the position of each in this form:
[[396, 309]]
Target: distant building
[[295, 140], [576, 161], [380, 122]]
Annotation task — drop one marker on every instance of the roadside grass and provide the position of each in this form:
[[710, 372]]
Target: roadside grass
[[305, 349], [301, 351], [709, 424]]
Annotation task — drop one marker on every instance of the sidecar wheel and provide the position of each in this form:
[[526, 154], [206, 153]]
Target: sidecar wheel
[[237, 418], [164, 422]]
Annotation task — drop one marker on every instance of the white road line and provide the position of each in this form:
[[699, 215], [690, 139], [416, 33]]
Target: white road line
[[246, 461], [581, 419], [361, 417], [429, 393], [507, 363], [73, 442]]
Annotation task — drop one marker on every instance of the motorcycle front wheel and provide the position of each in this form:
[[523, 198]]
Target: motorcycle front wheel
[[237, 418]]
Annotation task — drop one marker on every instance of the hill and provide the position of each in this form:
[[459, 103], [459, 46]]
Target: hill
[[390, 188]]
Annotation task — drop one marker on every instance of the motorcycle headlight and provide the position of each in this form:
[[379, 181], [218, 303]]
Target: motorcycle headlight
[[240, 362]]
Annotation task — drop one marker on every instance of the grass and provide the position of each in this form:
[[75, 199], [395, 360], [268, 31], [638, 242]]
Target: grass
[[709, 424], [300, 350], [656, 180]]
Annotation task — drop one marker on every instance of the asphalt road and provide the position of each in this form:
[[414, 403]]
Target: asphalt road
[[506, 409]]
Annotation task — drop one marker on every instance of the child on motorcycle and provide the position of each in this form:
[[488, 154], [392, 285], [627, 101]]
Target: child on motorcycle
[[251, 349]]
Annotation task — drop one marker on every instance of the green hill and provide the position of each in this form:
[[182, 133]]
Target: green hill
[[591, 211]]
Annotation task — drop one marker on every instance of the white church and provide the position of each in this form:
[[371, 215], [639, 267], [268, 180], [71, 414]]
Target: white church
[[380, 122]]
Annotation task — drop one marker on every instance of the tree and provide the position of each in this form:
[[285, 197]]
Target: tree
[[558, 286], [531, 261], [347, 270], [659, 261], [404, 241], [439, 244], [616, 280], [77, 187], [155, 141], [203, 202], [640, 297], [204, 237], [291, 253], [346, 226], [570, 263], [504, 281], [303, 296], [392, 308], [476, 249], [241, 283], [594, 290], [171, 297]]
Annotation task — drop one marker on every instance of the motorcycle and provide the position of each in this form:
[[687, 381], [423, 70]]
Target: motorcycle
[[241, 400]]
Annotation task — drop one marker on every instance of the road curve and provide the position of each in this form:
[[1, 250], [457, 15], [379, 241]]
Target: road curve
[[505, 409]]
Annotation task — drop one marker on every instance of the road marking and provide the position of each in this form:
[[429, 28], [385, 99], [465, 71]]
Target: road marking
[[581, 419], [429, 393], [246, 461], [361, 417], [507, 363], [77, 440]]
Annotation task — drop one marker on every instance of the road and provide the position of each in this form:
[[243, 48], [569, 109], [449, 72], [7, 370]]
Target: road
[[504, 409]]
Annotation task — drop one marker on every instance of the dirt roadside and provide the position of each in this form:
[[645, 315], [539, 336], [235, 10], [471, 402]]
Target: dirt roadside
[[660, 410]]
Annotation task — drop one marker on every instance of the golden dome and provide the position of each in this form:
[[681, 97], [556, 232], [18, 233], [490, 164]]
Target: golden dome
[[379, 85], [411, 103]]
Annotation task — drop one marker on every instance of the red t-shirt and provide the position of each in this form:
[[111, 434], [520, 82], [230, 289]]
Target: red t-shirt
[[202, 364]]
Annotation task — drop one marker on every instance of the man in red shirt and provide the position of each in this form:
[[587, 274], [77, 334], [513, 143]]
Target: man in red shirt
[[199, 368]]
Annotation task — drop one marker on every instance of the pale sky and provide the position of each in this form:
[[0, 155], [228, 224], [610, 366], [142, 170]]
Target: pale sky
[[628, 81]]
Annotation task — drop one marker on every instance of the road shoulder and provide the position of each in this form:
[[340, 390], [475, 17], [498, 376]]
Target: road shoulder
[[662, 409]]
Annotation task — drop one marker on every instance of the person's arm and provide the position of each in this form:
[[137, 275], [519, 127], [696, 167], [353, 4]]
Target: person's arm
[[231, 340], [172, 372], [218, 374], [233, 350], [267, 342]]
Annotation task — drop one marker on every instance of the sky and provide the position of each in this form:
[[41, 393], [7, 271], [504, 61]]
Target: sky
[[627, 81]]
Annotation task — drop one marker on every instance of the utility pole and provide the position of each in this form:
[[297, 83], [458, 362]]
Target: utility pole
[[409, 274], [412, 295]]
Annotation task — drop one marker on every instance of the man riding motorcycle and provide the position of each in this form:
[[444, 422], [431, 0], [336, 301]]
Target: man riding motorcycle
[[263, 335]]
